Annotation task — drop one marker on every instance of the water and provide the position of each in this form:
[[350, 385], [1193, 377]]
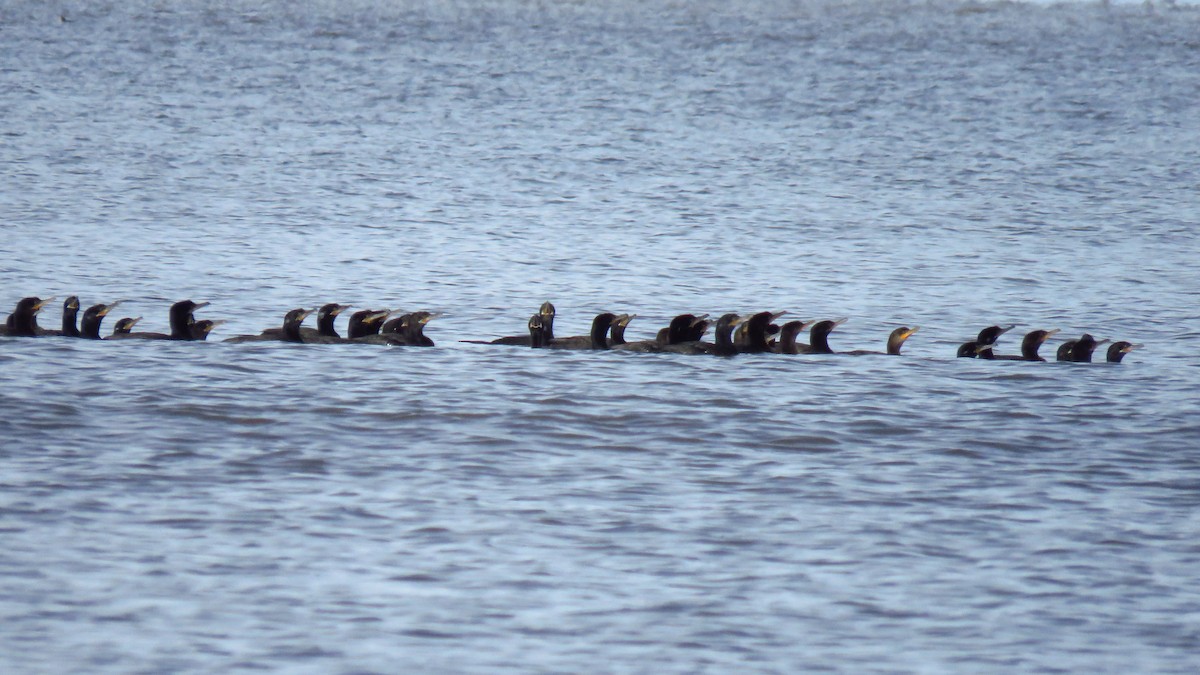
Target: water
[[211, 507]]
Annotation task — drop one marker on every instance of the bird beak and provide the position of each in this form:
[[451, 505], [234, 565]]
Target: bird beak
[[38, 307], [1005, 330], [908, 333], [838, 322], [979, 349], [200, 305], [1050, 334], [1130, 348]]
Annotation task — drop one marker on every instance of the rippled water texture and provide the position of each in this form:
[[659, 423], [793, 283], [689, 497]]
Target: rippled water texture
[[467, 508]]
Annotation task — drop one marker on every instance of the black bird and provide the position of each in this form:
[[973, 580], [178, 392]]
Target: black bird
[[89, 326], [70, 319], [818, 337], [787, 336], [1118, 350], [181, 317], [125, 325], [756, 331], [326, 316], [409, 329], [537, 338], [200, 329], [676, 332], [1079, 351], [895, 342], [722, 344], [981, 346], [1030, 345], [365, 322], [616, 332], [23, 321], [545, 317], [290, 332], [595, 340]]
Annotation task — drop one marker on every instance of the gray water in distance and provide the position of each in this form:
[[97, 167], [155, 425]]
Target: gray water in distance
[[473, 509]]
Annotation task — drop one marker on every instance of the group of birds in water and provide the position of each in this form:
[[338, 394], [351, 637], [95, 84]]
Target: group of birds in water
[[732, 333]]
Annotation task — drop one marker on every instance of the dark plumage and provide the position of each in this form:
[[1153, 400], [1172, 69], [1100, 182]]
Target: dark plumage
[[818, 337], [677, 332], [895, 342], [23, 320], [595, 340], [125, 325], [981, 346], [546, 314], [89, 325], [181, 317], [1029, 346], [1118, 350], [722, 344], [200, 329], [289, 332], [1079, 351]]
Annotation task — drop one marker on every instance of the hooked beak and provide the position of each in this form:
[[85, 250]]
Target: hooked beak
[[38, 307], [200, 305]]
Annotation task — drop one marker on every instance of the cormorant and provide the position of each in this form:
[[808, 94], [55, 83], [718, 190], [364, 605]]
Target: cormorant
[[70, 319], [125, 325], [1118, 350], [326, 316], [818, 337], [787, 336], [23, 321], [89, 326], [616, 332], [895, 343], [1030, 345], [290, 332], [756, 327], [722, 335], [546, 315], [596, 340], [1079, 351], [408, 329], [181, 320], [981, 346], [201, 329], [537, 338], [677, 332]]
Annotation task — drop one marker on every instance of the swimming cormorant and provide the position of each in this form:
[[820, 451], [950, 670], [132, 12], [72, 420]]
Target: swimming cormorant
[[89, 325], [290, 332], [676, 332], [981, 346], [722, 344], [70, 319], [201, 329], [595, 340], [546, 315], [181, 317], [616, 332], [818, 337], [1079, 351], [1030, 345], [895, 342], [23, 321], [125, 325], [1118, 350]]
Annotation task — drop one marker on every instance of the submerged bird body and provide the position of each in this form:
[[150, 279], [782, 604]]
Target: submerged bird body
[[981, 346], [1030, 345], [23, 321], [546, 314], [289, 332], [676, 332], [595, 340], [895, 342], [1118, 350], [181, 317], [818, 337], [89, 325]]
